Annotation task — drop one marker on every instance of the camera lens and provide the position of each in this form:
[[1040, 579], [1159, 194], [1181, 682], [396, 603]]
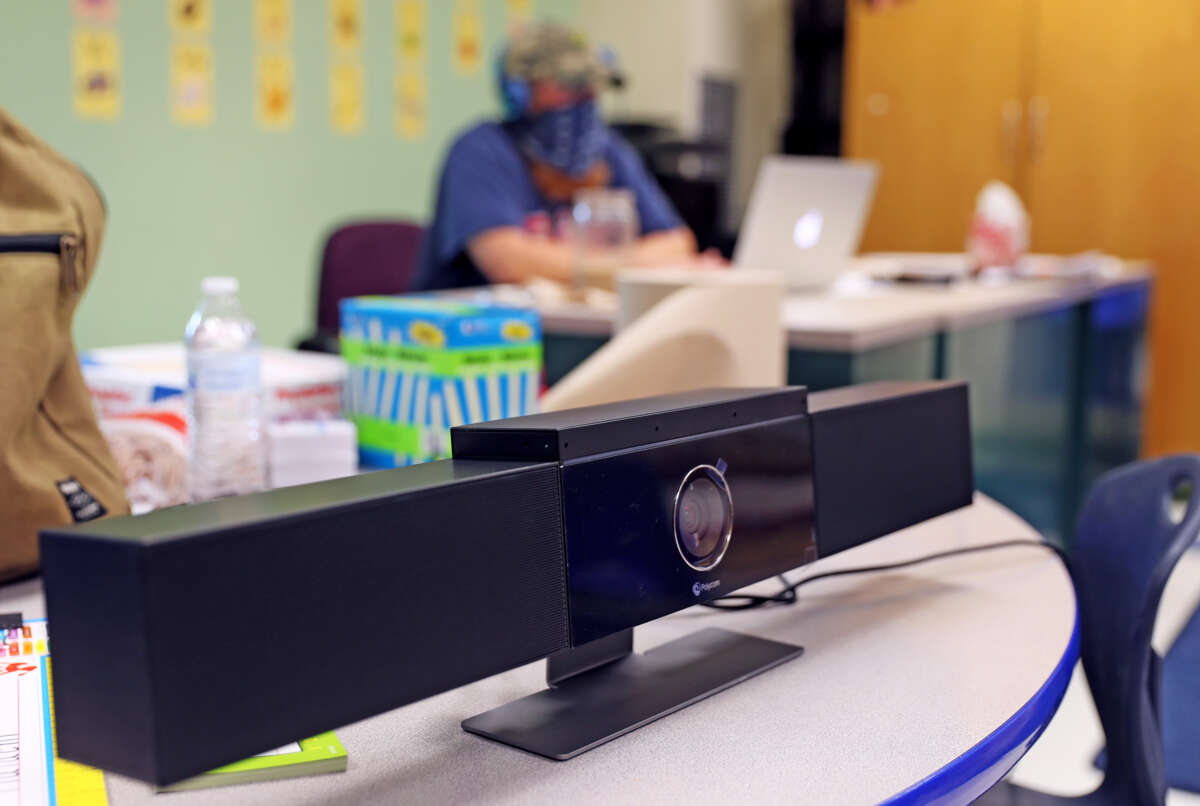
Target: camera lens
[[703, 517]]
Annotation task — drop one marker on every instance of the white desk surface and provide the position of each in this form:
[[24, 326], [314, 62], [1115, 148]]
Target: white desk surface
[[887, 314], [902, 673]]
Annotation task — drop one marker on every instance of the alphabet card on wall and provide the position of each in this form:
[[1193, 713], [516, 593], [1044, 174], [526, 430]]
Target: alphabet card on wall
[[412, 104], [347, 97], [192, 84], [346, 24], [96, 74], [274, 68], [272, 21], [190, 16], [275, 91], [468, 36], [347, 77], [518, 12], [411, 26]]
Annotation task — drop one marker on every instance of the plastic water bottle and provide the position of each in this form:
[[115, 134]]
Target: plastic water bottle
[[224, 396]]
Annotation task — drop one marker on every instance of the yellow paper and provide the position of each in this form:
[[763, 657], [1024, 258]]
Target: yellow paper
[[346, 23], [411, 27], [74, 784], [273, 20], [468, 36], [192, 85], [347, 97], [190, 16], [519, 10], [96, 74], [275, 91], [412, 105]]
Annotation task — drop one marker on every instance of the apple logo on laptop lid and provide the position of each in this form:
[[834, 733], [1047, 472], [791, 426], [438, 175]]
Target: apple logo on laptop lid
[[808, 229]]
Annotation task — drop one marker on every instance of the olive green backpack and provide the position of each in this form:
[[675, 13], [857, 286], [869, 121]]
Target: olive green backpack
[[55, 467]]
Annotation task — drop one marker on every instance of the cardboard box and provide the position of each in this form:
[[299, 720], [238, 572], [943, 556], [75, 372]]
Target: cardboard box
[[296, 385], [419, 365]]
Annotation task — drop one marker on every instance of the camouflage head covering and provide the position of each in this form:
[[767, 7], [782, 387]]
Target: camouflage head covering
[[549, 51]]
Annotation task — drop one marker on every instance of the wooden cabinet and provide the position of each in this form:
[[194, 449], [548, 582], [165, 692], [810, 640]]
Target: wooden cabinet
[[934, 94], [1088, 108]]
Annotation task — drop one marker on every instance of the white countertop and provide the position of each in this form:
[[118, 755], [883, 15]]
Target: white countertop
[[886, 314], [902, 673]]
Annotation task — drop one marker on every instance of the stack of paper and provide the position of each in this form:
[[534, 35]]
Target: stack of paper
[[304, 451]]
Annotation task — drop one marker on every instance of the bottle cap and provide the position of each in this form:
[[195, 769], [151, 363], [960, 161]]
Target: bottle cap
[[215, 286]]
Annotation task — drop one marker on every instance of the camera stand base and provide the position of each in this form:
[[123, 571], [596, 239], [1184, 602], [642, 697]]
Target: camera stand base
[[593, 707]]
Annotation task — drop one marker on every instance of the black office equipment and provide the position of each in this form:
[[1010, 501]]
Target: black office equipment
[[547, 536], [903, 446], [630, 470], [199, 635]]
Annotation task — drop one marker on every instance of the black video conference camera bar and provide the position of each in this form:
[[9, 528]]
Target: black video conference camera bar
[[547, 536]]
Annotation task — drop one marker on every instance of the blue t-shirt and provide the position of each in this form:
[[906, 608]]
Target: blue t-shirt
[[485, 183]]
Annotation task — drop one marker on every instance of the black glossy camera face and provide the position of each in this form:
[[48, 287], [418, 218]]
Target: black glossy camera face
[[652, 530], [703, 517]]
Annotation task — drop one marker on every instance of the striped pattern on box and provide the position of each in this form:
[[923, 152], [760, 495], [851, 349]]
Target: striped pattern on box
[[419, 366]]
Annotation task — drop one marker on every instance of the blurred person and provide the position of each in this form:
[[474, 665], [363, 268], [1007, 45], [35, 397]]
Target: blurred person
[[504, 184]]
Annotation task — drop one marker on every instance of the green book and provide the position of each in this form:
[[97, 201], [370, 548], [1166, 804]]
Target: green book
[[315, 756]]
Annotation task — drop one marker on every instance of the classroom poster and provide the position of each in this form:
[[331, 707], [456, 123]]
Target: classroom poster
[[96, 74], [275, 90], [272, 21], [192, 86], [411, 26], [412, 104], [347, 97], [346, 24], [468, 36], [190, 16], [518, 12], [95, 10]]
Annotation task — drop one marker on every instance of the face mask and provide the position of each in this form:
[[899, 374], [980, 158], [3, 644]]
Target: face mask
[[570, 138]]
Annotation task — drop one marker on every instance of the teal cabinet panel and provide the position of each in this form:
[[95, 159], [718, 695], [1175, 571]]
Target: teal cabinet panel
[[1114, 355], [1024, 379], [911, 360], [562, 352]]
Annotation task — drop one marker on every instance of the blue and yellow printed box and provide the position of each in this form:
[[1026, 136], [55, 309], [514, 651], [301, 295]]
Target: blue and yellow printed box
[[419, 365]]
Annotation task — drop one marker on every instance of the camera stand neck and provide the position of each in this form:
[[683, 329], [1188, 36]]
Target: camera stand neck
[[603, 690], [564, 665]]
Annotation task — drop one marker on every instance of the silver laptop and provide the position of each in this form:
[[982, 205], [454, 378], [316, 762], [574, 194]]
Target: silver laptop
[[806, 217]]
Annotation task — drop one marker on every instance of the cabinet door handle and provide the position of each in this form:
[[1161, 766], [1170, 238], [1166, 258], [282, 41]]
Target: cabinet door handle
[[878, 104], [1011, 114], [1039, 123]]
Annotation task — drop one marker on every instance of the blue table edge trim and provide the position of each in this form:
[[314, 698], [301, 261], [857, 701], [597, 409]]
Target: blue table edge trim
[[978, 769]]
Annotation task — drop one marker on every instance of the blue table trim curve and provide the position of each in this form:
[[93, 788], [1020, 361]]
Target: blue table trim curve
[[976, 771]]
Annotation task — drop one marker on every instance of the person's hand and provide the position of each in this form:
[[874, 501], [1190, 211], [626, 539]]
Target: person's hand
[[708, 259], [711, 258]]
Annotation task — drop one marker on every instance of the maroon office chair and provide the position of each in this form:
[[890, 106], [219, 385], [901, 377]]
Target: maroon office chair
[[367, 257]]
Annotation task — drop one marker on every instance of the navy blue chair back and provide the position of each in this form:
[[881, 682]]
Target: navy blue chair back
[[1126, 546], [1132, 531]]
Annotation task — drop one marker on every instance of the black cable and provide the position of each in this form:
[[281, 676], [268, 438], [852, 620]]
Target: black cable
[[787, 596]]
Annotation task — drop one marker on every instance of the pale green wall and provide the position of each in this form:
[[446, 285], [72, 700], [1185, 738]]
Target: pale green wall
[[231, 198]]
